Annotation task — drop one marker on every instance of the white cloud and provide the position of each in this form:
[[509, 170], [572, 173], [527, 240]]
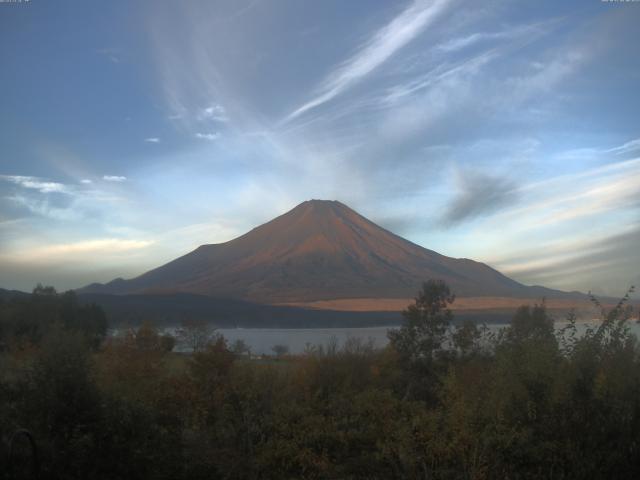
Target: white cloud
[[35, 183], [208, 136], [386, 41], [86, 181], [75, 250], [152, 140], [213, 112], [114, 178]]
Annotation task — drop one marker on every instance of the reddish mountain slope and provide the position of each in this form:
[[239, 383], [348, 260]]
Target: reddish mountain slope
[[319, 250]]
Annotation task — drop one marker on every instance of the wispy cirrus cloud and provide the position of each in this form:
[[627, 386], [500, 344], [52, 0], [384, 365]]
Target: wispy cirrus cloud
[[603, 263], [629, 147], [376, 51], [443, 76], [544, 76], [508, 33], [601, 154], [593, 192], [152, 140]]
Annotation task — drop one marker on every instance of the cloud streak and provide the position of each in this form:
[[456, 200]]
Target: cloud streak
[[629, 147], [583, 194], [384, 44], [475, 38], [71, 251], [604, 265]]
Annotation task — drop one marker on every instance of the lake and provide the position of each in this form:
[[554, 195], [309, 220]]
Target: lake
[[262, 340]]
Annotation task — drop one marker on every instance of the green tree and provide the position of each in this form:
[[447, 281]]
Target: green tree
[[426, 323], [210, 368], [466, 338], [62, 403], [531, 324], [420, 342], [27, 320]]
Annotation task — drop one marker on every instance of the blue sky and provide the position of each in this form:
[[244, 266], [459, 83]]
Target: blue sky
[[506, 132]]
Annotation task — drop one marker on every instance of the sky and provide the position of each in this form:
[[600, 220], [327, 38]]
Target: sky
[[502, 131]]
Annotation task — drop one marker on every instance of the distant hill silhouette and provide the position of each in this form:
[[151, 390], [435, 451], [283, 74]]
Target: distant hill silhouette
[[172, 309], [9, 294], [319, 250]]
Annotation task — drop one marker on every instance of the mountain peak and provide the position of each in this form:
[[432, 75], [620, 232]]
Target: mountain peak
[[319, 250], [321, 206], [320, 202]]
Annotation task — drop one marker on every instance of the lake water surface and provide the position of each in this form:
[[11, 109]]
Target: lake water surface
[[262, 340]]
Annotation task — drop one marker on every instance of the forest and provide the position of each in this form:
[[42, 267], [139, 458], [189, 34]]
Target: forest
[[444, 400]]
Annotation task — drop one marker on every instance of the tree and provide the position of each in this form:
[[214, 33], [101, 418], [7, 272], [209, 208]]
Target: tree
[[280, 350], [210, 367], [27, 319], [167, 342], [44, 291], [62, 402], [466, 338], [240, 348], [531, 323], [147, 337], [196, 334], [420, 341], [427, 321]]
